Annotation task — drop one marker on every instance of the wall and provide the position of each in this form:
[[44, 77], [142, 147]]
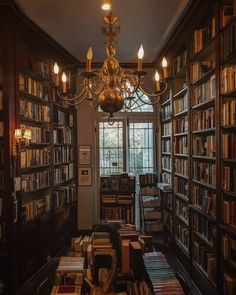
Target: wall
[[86, 194]]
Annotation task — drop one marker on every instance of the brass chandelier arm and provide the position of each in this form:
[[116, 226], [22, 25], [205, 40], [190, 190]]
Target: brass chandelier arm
[[153, 94]]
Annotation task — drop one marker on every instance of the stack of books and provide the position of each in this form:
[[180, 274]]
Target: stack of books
[[161, 277]]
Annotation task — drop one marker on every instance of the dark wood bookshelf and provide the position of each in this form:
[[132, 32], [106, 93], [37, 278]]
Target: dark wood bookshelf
[[208, 92], [27, 237]]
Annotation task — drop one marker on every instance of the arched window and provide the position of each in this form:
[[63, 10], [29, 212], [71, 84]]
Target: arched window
[[128, 145], [139, 103]]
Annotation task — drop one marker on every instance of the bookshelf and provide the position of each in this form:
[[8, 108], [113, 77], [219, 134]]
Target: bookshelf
[[47, 172], [203, 134], [30, 191], [150, 204], [227, 133], [117, 197]]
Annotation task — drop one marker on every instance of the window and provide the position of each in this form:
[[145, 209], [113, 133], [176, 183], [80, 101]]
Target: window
[[141, 148], [135, 155], [111, 147], [140, 103], [128, 144]]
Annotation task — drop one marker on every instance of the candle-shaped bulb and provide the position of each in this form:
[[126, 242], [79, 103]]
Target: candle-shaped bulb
[[55, 76], [140, 57], [56, 68], [64, 80], [141, 52], [89, 59], [63, 77], [157, 76], [157, 79], [90, 53], [164, 65]]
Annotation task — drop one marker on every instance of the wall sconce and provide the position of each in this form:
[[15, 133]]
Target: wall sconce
[[21, 137]]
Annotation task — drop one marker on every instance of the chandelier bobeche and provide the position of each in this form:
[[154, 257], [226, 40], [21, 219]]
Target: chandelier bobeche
[[112, 87]]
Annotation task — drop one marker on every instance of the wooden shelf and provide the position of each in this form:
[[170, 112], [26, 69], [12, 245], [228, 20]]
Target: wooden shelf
[[229, 93], [183, 113], [181, 175], [229, 193], [181, 92], [204, 77], [35, 190], [166, 120], [204, 52], [25, 95], [33, 168], [204, 184], [205, 131], [32, 121], [181, 134], [166, 170], [229, 161], [182, 219], [165, 136], [166, 154], [228, 228], [199, 210], [183, 247], [166, 102], [204, 105], [203, 239], [204, 158], [182, 197], [181, 155]]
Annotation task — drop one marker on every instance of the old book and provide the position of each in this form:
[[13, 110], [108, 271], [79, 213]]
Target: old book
[[71, 264], [1, 100], [125, 256], [66, 290], [1, 129]]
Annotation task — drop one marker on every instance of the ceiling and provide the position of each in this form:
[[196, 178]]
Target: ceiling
[[76, 25]]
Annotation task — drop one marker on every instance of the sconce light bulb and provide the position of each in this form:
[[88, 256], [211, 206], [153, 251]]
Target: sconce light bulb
[[63, 77], [56, 68], [164, 62], [157, 76]]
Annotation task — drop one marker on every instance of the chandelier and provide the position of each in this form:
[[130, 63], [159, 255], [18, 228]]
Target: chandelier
[[111, 87]]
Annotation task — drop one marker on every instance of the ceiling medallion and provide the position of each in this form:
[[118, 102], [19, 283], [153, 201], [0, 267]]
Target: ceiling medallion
[[111, 87]]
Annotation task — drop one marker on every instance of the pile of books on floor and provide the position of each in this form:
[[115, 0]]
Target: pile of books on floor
[[161, 277], [114, 260]]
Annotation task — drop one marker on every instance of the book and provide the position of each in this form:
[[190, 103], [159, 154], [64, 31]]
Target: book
[[66, 290], [125, 255]]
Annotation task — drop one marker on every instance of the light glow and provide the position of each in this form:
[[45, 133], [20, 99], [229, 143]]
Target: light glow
[[18, 134], [27, 134], [90, 53], [141, 52], [164, 62], [157, 76], [56, 68], [63, 77]]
